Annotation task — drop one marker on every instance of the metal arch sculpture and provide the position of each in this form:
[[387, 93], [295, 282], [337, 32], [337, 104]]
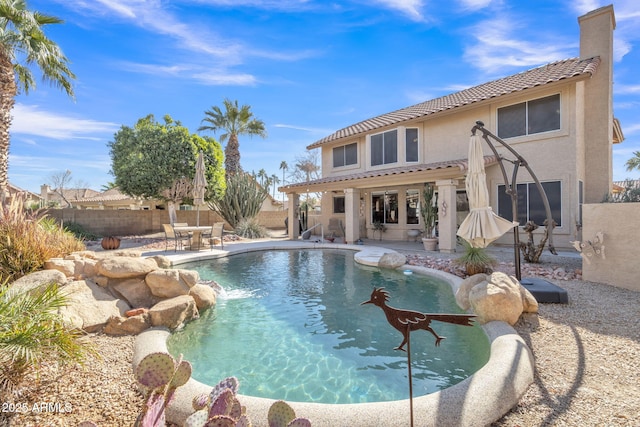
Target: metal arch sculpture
[[511, 190]]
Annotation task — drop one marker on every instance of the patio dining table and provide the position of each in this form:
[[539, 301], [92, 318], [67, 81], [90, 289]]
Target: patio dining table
[[195, 241]]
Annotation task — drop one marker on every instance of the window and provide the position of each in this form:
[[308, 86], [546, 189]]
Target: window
[[345, 155], [384, 208], [412, 206], [530, 205], [527, 118], [384, 148], [338, 204], [411, 144]]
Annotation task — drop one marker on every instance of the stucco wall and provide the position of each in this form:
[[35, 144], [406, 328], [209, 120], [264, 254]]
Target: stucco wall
[[131, 223], [620, 223]]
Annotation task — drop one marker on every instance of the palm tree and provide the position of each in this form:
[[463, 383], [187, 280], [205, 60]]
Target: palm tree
[[275, 181], [634, 162], [284, 166], [22, 45], [234, 121]]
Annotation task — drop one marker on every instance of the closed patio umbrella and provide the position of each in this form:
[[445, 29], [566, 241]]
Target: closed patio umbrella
[[482, 226], [199, 186]]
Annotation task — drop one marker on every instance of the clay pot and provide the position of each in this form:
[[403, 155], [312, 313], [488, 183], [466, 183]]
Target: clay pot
[[110, 242]]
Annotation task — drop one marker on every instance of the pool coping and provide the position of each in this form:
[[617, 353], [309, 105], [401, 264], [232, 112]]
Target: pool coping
[[480, 399]]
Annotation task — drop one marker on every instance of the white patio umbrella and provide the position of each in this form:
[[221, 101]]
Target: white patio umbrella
[[199, 186], [482, 226]]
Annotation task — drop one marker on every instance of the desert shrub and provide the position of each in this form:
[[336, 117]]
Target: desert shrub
[[251, 229], [80, 232], [28, 239], [31, 331]]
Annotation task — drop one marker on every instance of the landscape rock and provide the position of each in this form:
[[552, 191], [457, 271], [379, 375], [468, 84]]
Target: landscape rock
[[174, 312], [91, 306], [392, 260], [165, 283], [65, 266], [500, 297], [134, 290], [462, 295], [203, 295], [36, 279], [122, 267], [162, 261], [117, 325]]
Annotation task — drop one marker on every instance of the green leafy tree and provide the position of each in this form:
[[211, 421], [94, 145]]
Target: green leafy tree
[[149, 158], [23, 44], [634, 162], [232, 122]]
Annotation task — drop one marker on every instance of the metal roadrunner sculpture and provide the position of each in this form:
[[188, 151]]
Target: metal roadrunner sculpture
[[406, 320]]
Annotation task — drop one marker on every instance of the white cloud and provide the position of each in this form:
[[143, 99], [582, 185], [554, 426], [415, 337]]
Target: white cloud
[[302, 128], [502, 42], [411, 8], [30, 120]]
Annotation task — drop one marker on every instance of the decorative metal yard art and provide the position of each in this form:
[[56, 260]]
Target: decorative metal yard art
[[406, 321], [511, 189]]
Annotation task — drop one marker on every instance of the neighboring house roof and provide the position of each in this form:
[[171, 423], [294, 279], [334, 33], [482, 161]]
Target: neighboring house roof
[[619, 186], [459, 166], [111, 195], [553, 72], [14, 189]]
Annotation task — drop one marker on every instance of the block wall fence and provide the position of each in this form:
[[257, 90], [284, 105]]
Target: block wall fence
[[140, 222]]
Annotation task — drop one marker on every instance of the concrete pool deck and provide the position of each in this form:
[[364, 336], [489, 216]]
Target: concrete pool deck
[[476, 401]]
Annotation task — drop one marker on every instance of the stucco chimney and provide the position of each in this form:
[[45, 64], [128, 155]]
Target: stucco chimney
[[596, 39]]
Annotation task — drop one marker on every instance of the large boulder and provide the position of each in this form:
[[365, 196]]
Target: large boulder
[[65, 266], [118, 325], [174, 312], [204, 296], [462, 295], [498, 297], [134, 290], [91, 306], [392, 260], [166, 283], [36, 279], [122, 267]]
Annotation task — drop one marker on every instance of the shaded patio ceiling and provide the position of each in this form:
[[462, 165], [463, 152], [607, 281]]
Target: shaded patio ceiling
[[404, 175]]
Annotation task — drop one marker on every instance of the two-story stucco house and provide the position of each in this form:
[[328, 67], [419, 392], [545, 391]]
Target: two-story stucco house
[[559, 117]]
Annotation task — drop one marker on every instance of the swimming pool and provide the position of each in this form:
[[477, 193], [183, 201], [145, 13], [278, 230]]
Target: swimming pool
[[290, 327]]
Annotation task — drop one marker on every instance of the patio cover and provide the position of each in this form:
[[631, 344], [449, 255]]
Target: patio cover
[[482, 226]]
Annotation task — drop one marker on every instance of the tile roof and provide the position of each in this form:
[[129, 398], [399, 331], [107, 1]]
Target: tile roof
[[548, 73], [110, 195], [461, 164]]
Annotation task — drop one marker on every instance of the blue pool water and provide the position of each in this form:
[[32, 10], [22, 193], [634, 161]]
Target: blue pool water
[[290, 326]]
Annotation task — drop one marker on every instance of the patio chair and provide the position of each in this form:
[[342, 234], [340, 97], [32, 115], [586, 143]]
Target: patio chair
[[217, 230], [177, 238]]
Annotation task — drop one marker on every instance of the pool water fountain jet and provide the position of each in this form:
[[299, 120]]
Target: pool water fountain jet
[[406, 321]]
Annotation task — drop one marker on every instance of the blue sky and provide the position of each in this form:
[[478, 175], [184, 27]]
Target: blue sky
[[306, 68]]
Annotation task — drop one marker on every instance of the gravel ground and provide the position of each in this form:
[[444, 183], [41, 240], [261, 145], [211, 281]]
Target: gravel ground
[[587, 357]]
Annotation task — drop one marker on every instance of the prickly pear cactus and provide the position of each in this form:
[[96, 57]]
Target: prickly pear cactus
[[197, 419], [280, 414], [154, 416], [300, 422], [200, 402], [155, 370], [220, 421]]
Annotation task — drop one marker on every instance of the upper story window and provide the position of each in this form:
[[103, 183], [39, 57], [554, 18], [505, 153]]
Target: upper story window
[[411, 144], [384, 148], [345, 155], [526, 118], [530, 204]]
